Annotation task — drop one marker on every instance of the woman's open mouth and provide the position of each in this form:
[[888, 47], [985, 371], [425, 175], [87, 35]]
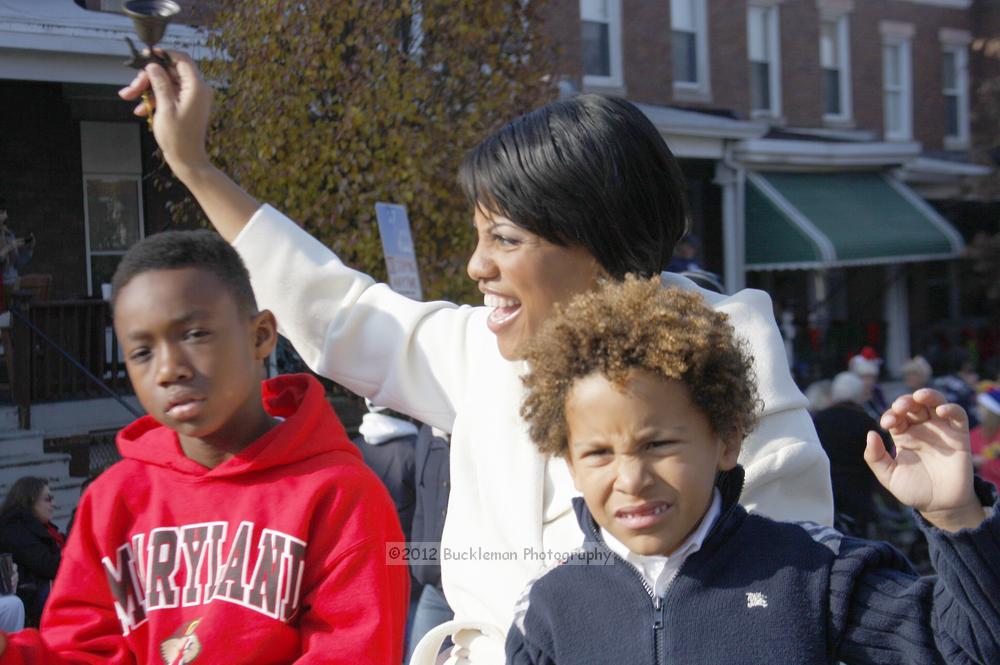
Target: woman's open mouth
[[504, 311]]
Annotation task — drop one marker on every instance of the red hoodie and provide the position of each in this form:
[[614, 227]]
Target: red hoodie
[[277, 555]]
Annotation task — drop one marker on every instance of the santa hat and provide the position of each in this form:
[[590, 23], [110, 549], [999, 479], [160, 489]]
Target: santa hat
[[863, 366]]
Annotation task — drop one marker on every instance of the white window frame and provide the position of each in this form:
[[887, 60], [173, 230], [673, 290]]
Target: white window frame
[[898, 36], [701, 89], [957, 43], [110, 151], [773, 40], [614, 21], [843, 28]]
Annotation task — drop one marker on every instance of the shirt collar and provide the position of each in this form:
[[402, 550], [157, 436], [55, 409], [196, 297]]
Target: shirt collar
[[651, 567]]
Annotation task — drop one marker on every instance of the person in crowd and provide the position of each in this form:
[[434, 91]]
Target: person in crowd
[[649, 412], [550, 224], [867, 366], [12, 615], [11, 606], [27, 532], [242, 524], [14, 255], [917, 373], [842, 429], [413, 465], [956, 380], [387, 444], [433, 482], [685, 258], [985, 439], [819, 394], [14, 252]]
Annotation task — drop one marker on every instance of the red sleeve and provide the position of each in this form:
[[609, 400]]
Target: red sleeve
[[357, 610], [79, 621]]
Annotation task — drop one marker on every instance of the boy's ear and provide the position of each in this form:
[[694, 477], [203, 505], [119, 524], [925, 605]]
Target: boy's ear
[[730, 454], [264, 329]]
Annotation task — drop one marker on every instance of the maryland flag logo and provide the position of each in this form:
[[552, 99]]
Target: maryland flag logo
[[181, 647]]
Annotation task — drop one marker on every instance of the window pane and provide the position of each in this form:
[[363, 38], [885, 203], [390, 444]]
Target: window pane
[[594, 10], [890, 65], [685, 56], [757, 19], [893, 112], [113, 213], [760, 86], [950, 74], [829, 58], [831, 92], [596, 51], [682, 15], [951, 115]]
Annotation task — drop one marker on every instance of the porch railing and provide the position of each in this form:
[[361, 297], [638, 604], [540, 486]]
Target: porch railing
[[64, 350]]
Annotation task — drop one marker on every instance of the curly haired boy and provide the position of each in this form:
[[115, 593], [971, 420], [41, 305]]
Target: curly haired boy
[[647, 394]]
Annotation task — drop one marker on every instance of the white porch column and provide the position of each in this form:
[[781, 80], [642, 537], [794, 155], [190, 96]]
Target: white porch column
[[897, 319], [732, 178]]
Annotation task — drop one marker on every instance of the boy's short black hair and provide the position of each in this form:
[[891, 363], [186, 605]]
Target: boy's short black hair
[[171, 250], [590, 171]]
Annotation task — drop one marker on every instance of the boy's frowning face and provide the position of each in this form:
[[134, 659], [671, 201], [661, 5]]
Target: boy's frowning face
[[193, 355], [644, 457]]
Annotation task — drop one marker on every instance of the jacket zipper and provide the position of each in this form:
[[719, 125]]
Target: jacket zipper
[[658, 629], [656, 602]]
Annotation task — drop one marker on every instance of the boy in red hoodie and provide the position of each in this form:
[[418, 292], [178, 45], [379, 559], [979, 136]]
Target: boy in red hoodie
[[242, 525]]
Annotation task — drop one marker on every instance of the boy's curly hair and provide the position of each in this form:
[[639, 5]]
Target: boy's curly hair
[[638, 324]]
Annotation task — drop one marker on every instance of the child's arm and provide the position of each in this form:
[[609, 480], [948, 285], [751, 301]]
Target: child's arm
[[356, 611], [932, 471], [522, 651], [880, 610]]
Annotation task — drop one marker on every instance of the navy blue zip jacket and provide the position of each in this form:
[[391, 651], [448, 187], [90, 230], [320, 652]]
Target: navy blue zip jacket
[[770, 593]]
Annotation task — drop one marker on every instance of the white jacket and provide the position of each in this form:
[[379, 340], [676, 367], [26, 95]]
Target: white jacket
[[509, 511]]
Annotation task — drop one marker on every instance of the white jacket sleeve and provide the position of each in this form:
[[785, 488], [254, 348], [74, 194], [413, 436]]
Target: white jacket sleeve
[[787, 471], [410, 356]]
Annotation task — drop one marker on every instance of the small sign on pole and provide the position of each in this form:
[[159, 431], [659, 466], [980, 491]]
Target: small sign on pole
[[397, 246]]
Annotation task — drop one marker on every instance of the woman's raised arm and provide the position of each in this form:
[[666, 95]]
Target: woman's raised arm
[[183, 102]]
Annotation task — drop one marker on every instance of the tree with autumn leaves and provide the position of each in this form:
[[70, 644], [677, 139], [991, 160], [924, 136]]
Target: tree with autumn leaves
[[323, 108]]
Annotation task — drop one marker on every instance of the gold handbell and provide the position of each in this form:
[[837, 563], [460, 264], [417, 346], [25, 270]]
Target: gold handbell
[[150, 18]]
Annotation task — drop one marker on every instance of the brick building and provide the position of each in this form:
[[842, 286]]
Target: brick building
[[813, 133], [828, 147], [76, 164]]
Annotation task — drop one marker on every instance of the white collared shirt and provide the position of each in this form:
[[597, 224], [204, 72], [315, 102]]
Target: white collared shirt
[[660, 571]]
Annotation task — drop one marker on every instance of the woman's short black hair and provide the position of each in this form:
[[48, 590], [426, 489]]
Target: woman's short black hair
[[590, 171], [23, 495], [171, 250]]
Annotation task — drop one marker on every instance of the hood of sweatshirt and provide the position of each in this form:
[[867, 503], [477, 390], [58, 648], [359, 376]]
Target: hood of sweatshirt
[[309, 429], [377, 428]]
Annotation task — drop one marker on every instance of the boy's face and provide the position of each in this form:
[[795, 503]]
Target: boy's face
[[644, 457], [193, 355]]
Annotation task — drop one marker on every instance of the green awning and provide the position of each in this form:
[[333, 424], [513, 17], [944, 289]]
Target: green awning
[[823, 220]]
